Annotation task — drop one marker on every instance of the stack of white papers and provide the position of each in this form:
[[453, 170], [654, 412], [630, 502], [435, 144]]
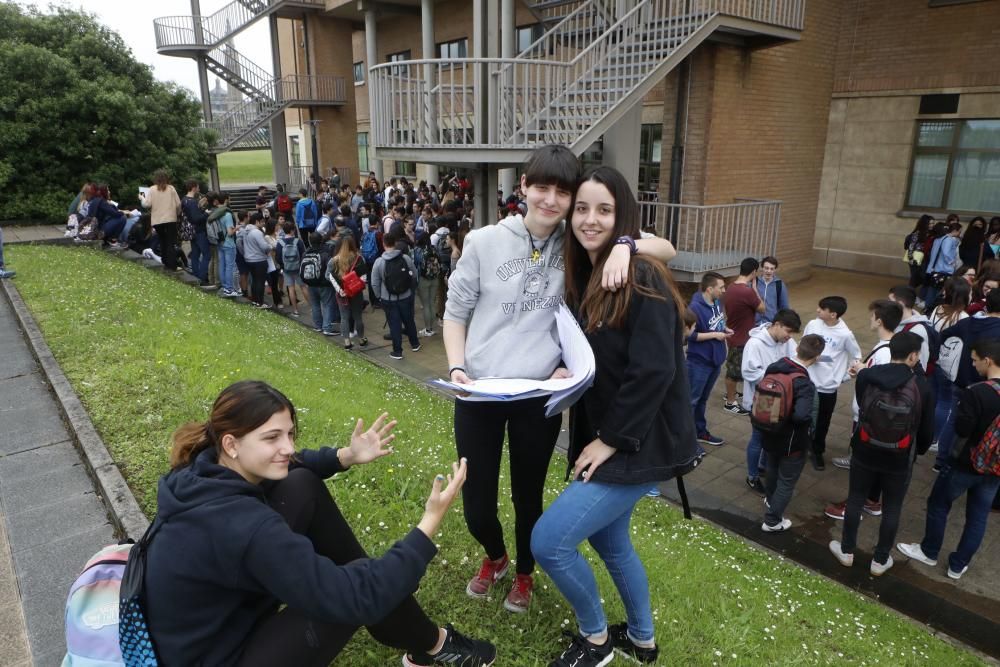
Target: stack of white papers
[[577, 356]]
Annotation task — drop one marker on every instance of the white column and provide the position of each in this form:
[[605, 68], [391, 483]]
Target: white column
[[508, 43], [622, 145], [279, 138], [371, 56], [429, 51]]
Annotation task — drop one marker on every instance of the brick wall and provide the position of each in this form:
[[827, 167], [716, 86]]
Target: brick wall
[[331, 54], [908, 45]]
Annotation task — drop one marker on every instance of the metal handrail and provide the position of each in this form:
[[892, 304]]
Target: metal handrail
[[220, 25]]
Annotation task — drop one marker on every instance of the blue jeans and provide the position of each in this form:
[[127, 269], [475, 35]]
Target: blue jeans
[[782, 473], [702, 378], [951, 484], [756, 458], [321, 301], [946, 436], [200, 254], [399, 312], [942, 401], [227, 266], [112, 228], [599, 513]]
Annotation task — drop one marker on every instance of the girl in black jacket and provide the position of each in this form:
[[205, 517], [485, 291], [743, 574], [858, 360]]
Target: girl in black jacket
[[632, 429], [248, 525]]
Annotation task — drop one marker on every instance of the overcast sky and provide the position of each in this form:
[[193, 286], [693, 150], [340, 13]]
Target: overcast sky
[[133, 20]]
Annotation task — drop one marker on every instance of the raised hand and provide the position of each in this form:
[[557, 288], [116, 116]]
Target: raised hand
[[371, 444], [441, 499]]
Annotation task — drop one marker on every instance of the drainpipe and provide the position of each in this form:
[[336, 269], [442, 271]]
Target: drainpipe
[[371, 55], [427, 46], [680, 129]]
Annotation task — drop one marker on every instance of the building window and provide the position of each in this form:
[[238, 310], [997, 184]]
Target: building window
[[362, 151], [650, 149], [359, 72], [956, 166], [399, 57], [295, 151], [528, 35], [458, 48], [406, 168]]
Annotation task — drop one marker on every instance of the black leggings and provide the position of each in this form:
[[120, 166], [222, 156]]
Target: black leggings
[[272, 280], [289, 637], [479, 432], [167, 231], [827, 403]]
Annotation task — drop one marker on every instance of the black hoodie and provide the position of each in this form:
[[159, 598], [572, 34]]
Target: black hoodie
[[223, 560], [892, 376]]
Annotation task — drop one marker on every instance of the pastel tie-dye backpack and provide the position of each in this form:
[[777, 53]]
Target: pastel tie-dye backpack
[[105, 620]]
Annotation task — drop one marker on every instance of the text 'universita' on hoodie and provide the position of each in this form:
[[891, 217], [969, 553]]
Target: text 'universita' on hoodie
[[760, 352], [841, 350]]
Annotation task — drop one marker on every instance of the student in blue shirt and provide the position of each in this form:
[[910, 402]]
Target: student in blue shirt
[[707, 350]]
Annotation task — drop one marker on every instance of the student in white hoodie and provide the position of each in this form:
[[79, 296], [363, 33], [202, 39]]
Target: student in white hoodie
[[839, 355], [913, 321], [768, 343]]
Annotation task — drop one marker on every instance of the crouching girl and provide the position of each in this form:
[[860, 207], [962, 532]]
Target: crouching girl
[[248, 526]]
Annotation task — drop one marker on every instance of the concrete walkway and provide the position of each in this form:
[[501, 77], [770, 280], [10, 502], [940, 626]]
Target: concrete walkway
[[51, 520]]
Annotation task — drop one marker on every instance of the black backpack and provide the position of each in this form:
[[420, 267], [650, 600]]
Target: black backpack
[[889, 417], [313, 267], [398, 277]]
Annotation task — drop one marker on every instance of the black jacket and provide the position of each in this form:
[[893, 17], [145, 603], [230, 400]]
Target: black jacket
[[224, 560], [194, 213], [978, 406], [640, 398], [798, 435], [891, 376]]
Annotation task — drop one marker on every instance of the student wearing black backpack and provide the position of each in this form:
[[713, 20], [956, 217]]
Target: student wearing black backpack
[[787, 439], [429, 267], [313, 270], [394, 279], [895, 423], [976, 426]]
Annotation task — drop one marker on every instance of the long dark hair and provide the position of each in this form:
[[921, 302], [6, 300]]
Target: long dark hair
[[974, 236], [584, 293], [923, 227], [955, 299], [241, 408]]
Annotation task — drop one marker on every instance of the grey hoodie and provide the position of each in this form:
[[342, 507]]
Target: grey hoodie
[[508, 302], [760, 352], [378, 276]]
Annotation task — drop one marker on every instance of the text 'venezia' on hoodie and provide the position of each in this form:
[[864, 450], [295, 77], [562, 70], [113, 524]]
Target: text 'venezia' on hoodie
[[841, 350], [508, 301], [760, 352]]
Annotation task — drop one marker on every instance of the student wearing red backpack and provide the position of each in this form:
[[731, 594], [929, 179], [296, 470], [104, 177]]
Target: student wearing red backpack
[[788, 397], [977, 425], [895, 423]]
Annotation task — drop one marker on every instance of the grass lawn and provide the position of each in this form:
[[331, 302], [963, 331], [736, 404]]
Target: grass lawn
[[147, 353], [245, 167]]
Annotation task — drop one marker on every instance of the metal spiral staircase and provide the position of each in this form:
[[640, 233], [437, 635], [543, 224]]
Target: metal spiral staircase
[[570, 86], [264, 95]]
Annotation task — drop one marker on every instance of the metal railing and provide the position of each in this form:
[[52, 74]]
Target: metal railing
[[274, 96], [715, 237], [181, 31], [558, 88]]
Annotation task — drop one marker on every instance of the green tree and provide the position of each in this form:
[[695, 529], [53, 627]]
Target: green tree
[[76, 106]]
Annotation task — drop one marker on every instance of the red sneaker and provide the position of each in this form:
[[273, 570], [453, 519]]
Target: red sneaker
[[836, 510], [489, 574], [873, 508], [519, 598]]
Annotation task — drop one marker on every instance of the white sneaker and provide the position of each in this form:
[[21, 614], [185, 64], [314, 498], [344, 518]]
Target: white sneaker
[[777, 528], [846, 560], [425, 333], [914, 552], [957, 575], [933, 447], [878, 569]]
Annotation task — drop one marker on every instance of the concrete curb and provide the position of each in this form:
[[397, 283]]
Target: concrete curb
[[123, 509]]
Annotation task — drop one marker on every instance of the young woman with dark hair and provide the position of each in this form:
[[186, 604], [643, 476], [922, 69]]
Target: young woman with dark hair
[[913, 247], [254, 564], [974, 248], [627, 434], [500, 321]]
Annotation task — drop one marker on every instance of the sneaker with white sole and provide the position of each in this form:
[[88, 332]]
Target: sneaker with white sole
[[847, 560], [457, 650], [933, 448], [734, 408], [582, 653], [914, 551], [777, 528], [4, 274], [957, 575], [489, 574], [842, 462], [878, 569], [624, 645]]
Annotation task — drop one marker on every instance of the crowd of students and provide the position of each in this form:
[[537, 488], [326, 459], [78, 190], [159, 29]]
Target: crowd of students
[[930, 384]]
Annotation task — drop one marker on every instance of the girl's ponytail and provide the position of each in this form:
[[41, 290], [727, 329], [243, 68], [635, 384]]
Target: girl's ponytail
[[188, 441]]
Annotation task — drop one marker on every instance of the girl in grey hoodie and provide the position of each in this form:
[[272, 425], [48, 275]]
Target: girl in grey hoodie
[[499, 321]]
